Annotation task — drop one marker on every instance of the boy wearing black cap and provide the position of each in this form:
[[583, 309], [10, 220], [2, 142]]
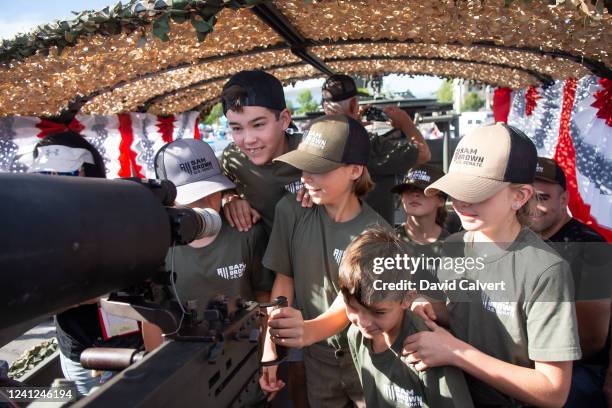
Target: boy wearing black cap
[[578, 244], [391, 154], [227, 263], [306, 246], [254, 104]]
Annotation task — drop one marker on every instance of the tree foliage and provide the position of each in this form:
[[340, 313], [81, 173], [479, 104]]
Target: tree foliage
[[215, 113], [472, 103], [445, 92], [307, 104]]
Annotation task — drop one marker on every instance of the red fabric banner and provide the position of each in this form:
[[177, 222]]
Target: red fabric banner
[[127, 157], [565, 156], [501, 104], [531, 100], [165, 125]]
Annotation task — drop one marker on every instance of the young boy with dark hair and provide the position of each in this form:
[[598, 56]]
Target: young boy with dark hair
[[380, 322], [254, 104]]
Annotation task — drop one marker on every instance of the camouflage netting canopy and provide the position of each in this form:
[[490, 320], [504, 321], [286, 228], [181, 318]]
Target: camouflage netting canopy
[[171, 56]]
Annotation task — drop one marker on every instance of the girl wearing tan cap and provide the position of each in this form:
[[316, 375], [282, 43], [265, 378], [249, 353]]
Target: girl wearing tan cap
[[512, 318]]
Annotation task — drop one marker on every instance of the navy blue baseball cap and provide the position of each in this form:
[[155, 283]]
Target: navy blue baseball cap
[[255, 88]]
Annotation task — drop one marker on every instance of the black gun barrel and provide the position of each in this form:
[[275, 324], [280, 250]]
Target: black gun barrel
[[66, 240]]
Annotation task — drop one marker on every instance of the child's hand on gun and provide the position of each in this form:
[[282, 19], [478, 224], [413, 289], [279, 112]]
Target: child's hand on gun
[[287, 327]]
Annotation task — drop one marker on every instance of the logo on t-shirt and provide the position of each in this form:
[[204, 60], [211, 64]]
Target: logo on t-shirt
[[338, 255], [195, 166], [232, 271], [294, 186], [401, 396], [499, 308]]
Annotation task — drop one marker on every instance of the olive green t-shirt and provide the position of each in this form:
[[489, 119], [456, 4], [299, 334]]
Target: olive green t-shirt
[[391, 154], [307, 245], [262, 186], [230, 266], [389, 381], [401, 232], [434, 249], [531, 318]]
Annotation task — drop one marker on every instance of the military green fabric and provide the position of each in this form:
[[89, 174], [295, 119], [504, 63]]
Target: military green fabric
[[389, 381], [531, 319], [262, 186], [307, 245], [391, 156], [401, 232], [230, 265], [434, 249]]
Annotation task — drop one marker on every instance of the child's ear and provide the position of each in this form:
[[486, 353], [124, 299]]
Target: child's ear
[[410, 296], [356, 171], [285, 118]]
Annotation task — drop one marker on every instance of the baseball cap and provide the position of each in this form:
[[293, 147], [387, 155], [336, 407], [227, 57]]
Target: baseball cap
[[340, 87], [193, 168], [421, 176], [331, 142], [261, 89], [60, 158], [548, 170], [485, 162]]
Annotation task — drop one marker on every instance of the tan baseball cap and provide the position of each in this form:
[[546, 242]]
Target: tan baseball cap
[[331, 142], [485, 162]]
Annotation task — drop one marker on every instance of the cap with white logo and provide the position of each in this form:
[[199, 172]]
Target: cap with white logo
[[60, 158], [486, 161], [421, 176], [331, 142], [193, 168], [548, 170]]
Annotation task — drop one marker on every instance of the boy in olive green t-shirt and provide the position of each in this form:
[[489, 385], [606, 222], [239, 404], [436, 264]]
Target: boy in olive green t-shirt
[[380, 324]]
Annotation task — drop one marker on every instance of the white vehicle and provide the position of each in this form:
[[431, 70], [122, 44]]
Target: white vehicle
[[471, 120]]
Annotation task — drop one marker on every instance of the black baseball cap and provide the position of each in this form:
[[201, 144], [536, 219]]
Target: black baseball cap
[[260, 88], [420, 176], [331, 142], [340, 87], [548, 170]]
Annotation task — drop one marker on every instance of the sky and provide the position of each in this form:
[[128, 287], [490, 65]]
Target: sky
[[23, 16]]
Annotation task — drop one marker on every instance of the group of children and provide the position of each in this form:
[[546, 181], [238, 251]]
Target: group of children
[[296, 223]]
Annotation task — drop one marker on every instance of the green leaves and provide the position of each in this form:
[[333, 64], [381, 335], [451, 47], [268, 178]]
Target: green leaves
[[111, 20], [161, 27], [31, 358]]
